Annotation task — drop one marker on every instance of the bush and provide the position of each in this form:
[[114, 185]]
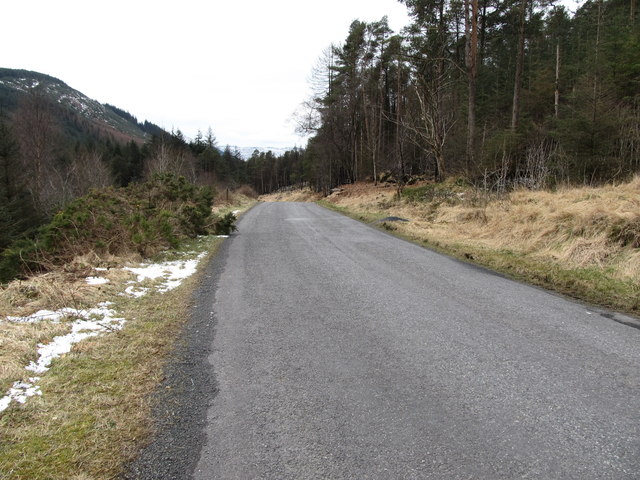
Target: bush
[[140, 218], [247, 191], [225, 225], [449, 191]]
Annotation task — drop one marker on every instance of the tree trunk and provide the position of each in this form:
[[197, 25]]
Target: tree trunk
[[515, 114], [483, 30], [557, 92], [471, 32], [596, 69]]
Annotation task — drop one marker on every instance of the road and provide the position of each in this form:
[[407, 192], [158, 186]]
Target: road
[[341, 352]]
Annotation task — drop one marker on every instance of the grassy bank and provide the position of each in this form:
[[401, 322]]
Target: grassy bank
[[582, 242], [92, 410]]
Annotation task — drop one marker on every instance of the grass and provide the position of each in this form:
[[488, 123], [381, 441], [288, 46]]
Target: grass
[[582, 242], [94, 413]]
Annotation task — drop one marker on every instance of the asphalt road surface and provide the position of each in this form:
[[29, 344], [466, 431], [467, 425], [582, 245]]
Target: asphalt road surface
[[341, 352]]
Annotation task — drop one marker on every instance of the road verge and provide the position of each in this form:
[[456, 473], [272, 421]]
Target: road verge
[[534, 237]]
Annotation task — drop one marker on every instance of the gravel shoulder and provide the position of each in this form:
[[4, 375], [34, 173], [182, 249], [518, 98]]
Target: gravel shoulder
[[188, 390]]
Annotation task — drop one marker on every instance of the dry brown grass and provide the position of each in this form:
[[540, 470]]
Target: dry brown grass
[[578, 227], [575, 227], [238, 200], [246, 191], [51, 291], [297, 195], [94, 413], [18, 343], [59, 289]]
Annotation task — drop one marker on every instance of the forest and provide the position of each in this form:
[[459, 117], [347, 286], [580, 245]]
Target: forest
[[49, 157], [515, 93], [505, 94]]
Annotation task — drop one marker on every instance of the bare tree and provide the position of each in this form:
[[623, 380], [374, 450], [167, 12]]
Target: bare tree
[[471, 61], [538, 158], [88, 170], [307, 116], [38, 136], [432, 121], [168, 157]]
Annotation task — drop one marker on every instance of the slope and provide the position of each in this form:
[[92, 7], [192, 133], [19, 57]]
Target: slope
[[80, 115]]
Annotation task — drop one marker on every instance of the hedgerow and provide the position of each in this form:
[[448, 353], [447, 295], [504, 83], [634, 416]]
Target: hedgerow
[[142, 219]]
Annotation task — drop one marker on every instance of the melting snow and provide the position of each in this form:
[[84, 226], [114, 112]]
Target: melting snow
[[92, 322], [172, 273], [135, 291], [38, 317], [20, 392]]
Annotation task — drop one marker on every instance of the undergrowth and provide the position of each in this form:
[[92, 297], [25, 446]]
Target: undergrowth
[[141, 218], [95, 411]]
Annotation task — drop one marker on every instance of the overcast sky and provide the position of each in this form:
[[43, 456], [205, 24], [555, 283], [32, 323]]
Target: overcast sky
[[240, 67]]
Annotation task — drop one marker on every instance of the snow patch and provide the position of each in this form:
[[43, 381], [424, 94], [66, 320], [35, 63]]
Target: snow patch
[[172, 273], [135, 291], [92, 322], [39, 316], [20, 392]]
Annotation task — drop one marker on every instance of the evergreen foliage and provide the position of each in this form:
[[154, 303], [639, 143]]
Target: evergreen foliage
[[17, 212], [226, 225], [141, 218], [509, 93]]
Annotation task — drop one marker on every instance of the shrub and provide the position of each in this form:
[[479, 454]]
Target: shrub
[[247, 191], [225, 225], [140, 218], [449, 191]]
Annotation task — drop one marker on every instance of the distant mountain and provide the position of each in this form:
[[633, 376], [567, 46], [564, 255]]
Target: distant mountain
[[80, 115], [246, 152]]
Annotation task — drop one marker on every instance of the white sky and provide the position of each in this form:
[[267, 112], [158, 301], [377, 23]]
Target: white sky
[[240, 67]]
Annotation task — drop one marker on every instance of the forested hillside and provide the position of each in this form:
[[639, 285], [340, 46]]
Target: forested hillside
[[56, 144], [506, 93]]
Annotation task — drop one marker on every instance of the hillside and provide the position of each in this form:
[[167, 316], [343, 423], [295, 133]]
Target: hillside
[[80, 115]]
